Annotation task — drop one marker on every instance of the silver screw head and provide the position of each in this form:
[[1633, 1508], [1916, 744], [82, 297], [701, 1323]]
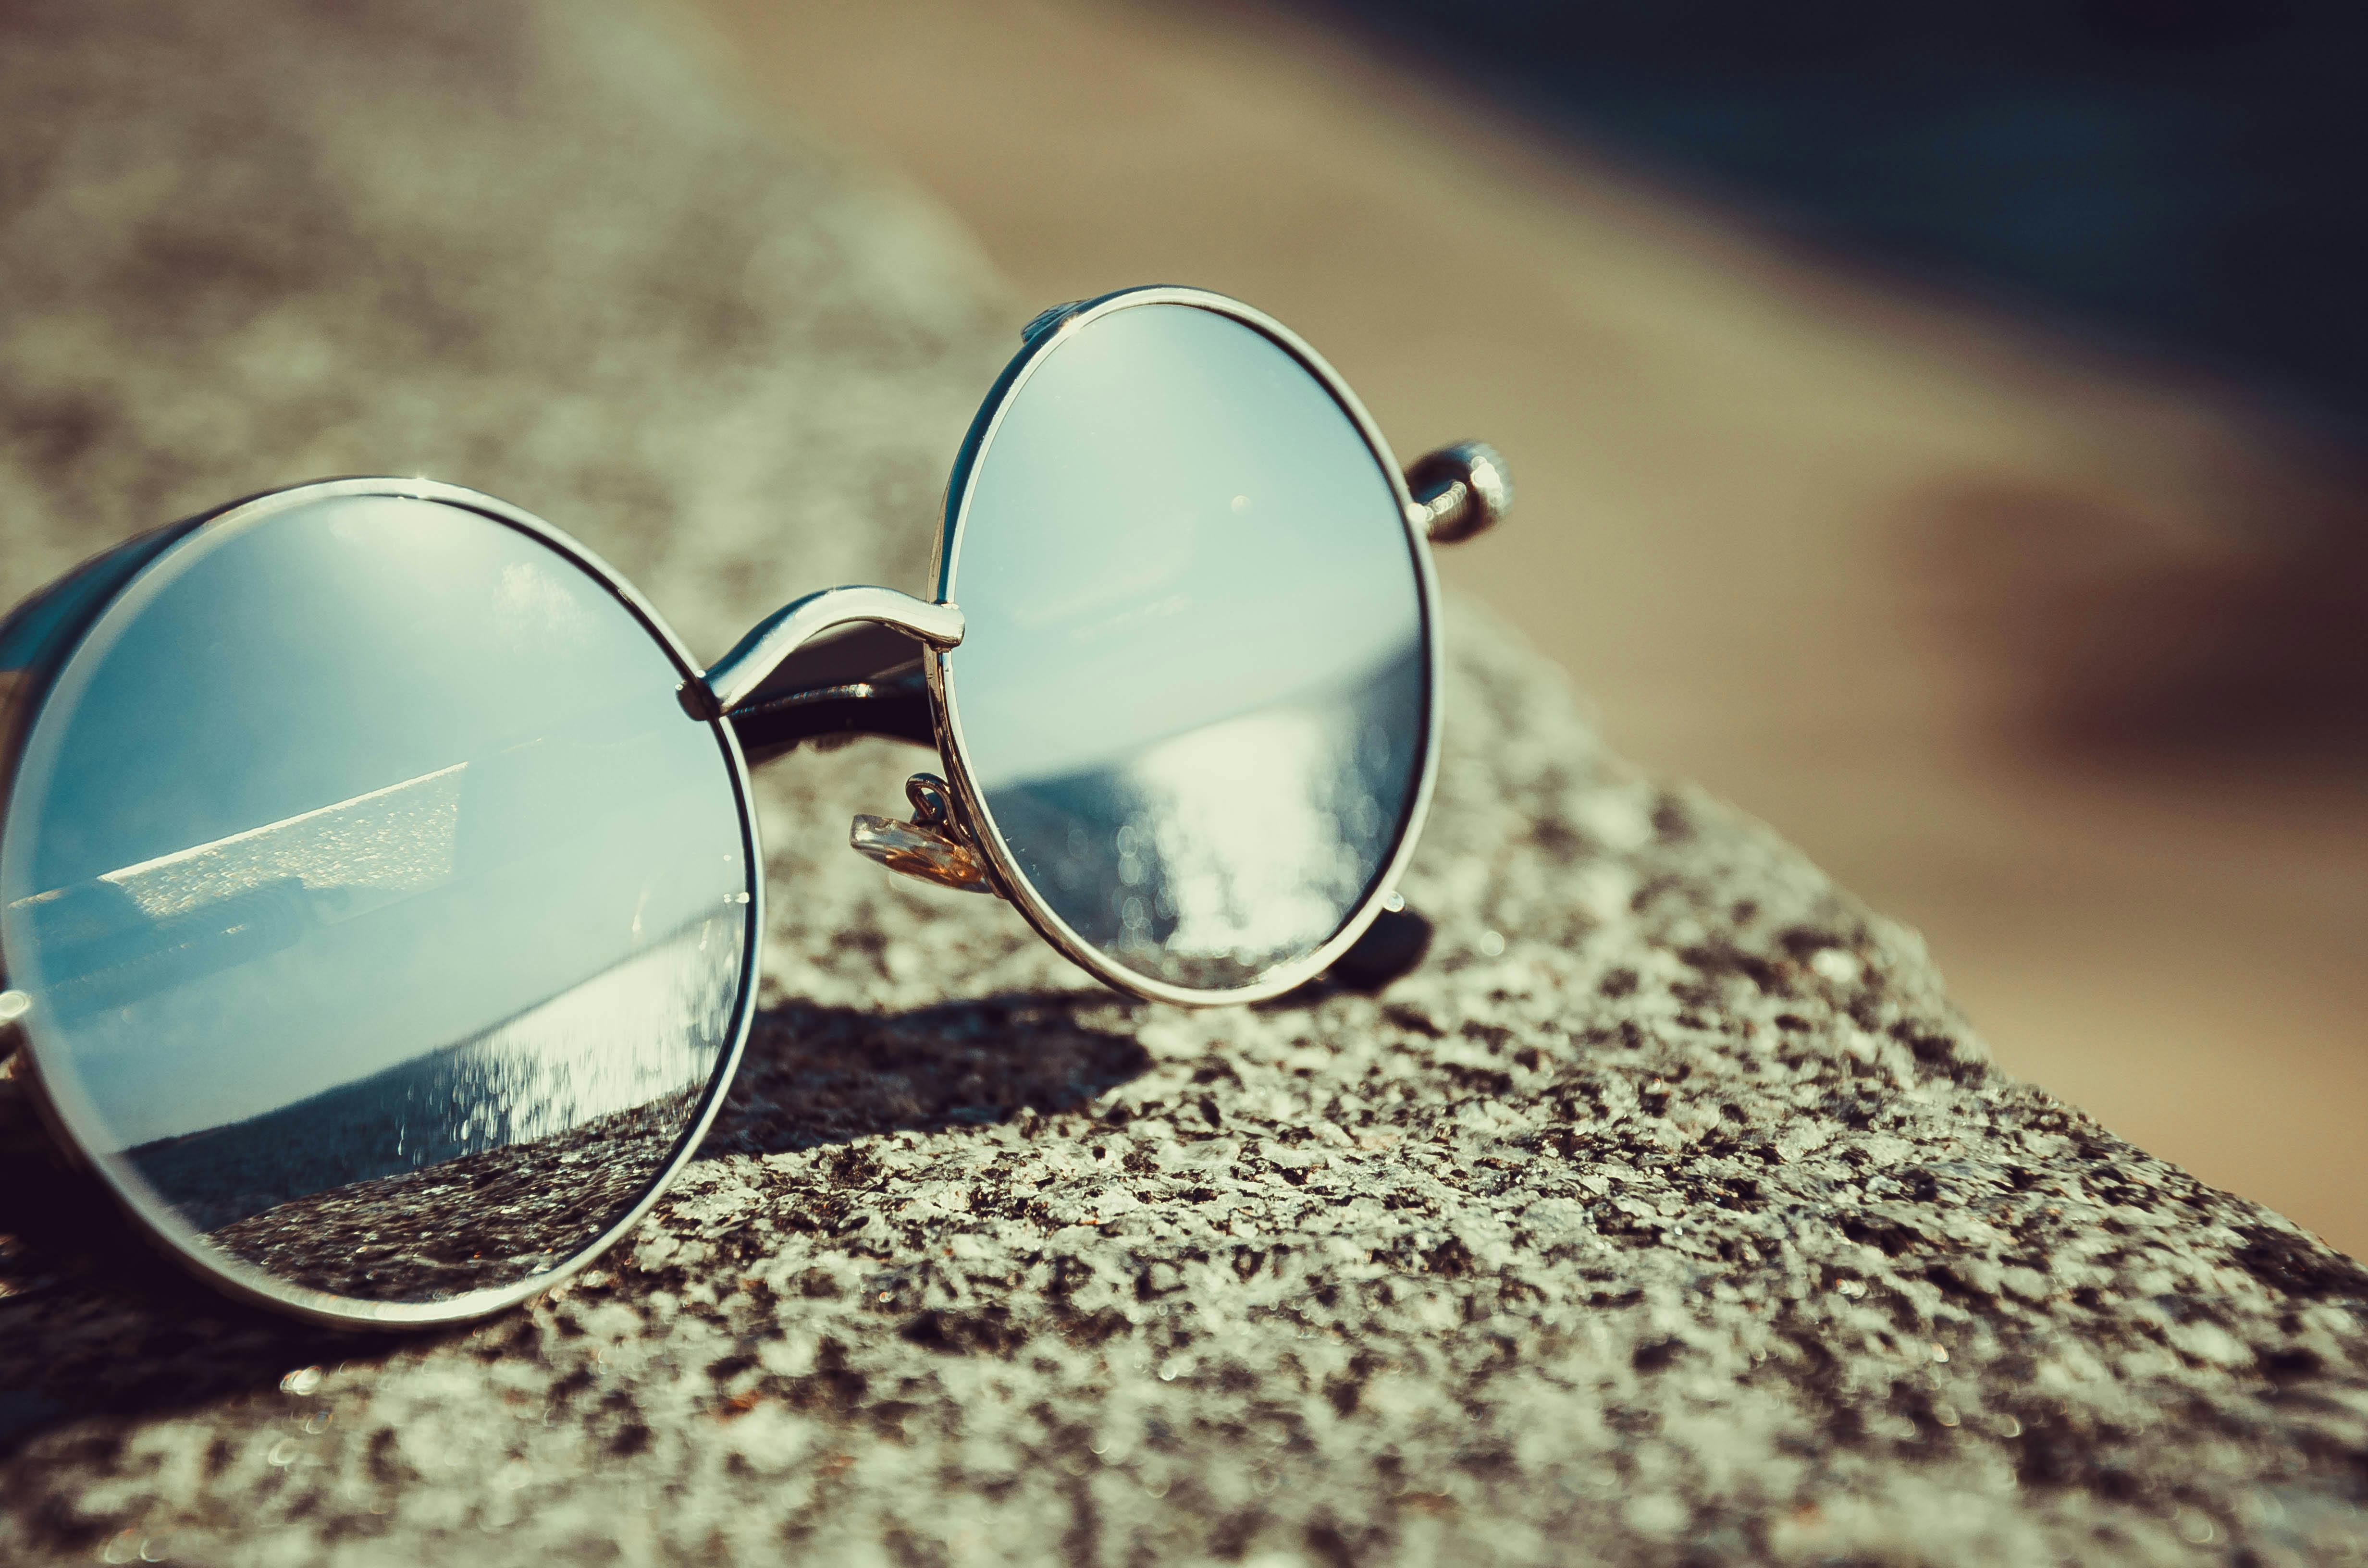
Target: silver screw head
[[1464, 490]]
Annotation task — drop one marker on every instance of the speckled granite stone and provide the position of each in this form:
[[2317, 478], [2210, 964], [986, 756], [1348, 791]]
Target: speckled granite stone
[[1666, 1214]]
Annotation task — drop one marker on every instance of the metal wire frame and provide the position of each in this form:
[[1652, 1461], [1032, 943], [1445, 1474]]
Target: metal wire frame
[[62, 1111], [1044, 337], [1448, 510]]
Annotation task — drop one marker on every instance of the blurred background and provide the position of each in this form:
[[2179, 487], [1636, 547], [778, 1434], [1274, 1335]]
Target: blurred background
[[1939, 431]]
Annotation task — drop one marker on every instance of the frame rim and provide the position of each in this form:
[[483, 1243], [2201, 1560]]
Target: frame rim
[[1048, 333], [179, 1243]]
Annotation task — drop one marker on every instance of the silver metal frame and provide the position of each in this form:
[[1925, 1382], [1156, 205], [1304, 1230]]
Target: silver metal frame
[[148, 1213], [1044, 337], [1467, 493], [737, 675]]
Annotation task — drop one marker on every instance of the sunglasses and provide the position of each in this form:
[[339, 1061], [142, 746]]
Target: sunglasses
[[380, 897]]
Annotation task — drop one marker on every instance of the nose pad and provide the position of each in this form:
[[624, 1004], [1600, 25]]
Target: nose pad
[[931, 846]]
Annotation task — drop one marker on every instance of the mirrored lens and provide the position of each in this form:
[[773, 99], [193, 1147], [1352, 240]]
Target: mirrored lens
[[1194, 694], [383, 913]]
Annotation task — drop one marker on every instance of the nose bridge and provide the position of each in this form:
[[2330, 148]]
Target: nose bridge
[[740, 672]]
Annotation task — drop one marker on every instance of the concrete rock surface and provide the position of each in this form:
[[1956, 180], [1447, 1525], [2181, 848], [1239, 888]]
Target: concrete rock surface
[[1668, 1213]]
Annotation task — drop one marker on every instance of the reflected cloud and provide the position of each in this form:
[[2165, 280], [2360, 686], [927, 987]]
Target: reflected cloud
[[394, 841], [146, 928]]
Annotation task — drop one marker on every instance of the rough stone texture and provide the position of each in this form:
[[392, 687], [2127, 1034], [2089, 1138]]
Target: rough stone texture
[[1666, 1214]]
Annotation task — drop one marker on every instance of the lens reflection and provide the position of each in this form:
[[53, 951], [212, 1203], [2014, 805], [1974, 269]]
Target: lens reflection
[[383, 913], [1193, 693]]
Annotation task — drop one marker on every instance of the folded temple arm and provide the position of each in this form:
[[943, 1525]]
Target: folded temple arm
[[863, 680]]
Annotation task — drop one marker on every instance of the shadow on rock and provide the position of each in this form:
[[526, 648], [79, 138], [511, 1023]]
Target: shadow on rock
[[814, 1076], [94, 1324]]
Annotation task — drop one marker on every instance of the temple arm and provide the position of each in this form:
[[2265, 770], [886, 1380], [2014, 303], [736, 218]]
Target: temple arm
[[862, 680], [894, 707]]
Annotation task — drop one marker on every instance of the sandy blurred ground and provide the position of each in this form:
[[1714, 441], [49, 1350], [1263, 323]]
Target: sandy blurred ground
[[2017, 639]]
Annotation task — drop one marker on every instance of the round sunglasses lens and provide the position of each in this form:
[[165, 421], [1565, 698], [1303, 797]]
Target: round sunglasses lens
[[382, 911], [1194, 695]]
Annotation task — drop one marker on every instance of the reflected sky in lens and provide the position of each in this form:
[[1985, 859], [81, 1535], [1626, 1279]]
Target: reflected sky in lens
[[363, 839], [1193, 689]]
